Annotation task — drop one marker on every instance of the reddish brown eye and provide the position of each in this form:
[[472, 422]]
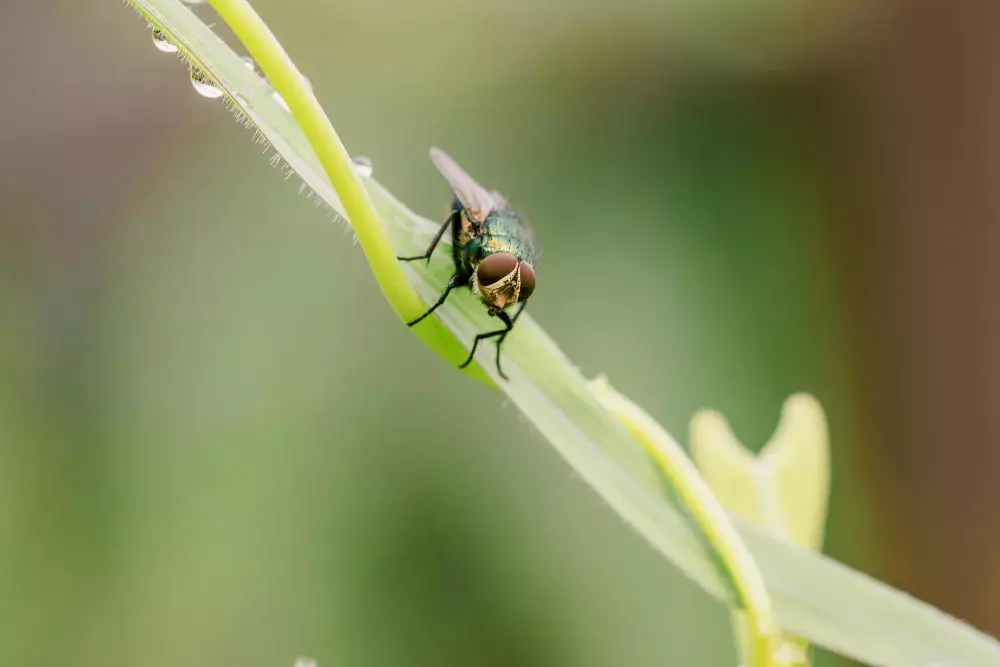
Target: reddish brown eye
[[527, 281], [495, 267]]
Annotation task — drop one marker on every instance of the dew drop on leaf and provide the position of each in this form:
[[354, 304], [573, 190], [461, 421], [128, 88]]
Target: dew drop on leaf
[[204, 86], [162, 42], [363, 165], [249, 63]]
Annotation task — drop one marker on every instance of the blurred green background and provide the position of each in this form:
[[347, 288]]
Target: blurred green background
[[218, 445]]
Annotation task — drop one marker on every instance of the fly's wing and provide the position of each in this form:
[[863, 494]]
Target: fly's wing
[[498, 199], [476, 199]]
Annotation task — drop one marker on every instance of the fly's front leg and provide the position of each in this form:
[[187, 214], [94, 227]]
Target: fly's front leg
[[434, 242], [503, 336], [509, 324], [455, 281]]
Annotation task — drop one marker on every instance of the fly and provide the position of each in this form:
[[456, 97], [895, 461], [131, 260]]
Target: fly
[[492, 247]]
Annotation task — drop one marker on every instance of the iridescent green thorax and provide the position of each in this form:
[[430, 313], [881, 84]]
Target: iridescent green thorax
[[502, 231]]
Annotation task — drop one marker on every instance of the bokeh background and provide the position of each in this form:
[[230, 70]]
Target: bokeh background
[[218, 446]]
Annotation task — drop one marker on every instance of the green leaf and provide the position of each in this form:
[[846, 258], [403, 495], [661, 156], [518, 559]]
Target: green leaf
[[814, 597]]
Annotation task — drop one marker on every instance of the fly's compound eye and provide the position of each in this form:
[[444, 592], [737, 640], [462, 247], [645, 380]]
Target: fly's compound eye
[[527, 281], [495, 268]]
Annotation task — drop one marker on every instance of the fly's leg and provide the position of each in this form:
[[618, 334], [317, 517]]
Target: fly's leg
[[502, 333], [484, 336], [434, 242], [452, 284], [503, 336]]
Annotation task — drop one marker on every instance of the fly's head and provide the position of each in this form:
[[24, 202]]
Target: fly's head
[[501, 279]]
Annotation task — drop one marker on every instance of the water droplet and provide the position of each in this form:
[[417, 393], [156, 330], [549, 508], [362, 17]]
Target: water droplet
[[363, 165], [203, 84], [280, 100], [162, 42], [249, 63], [308, 83], [193, 2]]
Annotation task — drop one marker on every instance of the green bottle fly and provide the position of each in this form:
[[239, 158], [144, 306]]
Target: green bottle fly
[[494, 251]]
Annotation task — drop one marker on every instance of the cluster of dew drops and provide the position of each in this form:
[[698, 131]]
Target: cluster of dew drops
[[205, 86]]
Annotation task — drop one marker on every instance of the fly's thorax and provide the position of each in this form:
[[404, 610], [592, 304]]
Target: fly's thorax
[[507, 232]]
